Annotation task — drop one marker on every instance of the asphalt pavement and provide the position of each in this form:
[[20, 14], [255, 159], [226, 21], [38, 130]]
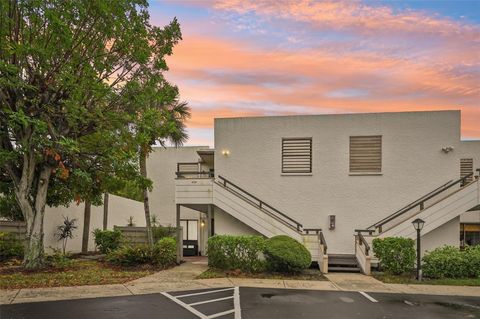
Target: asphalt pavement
[[252, 303]]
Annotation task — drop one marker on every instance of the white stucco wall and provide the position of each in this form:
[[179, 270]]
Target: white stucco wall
[[120, 209], [413, 165], [161, 168], [225, 224], [447, 234]]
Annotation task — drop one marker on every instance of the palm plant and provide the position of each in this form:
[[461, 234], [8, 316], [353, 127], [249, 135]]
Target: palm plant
[[65, 231]]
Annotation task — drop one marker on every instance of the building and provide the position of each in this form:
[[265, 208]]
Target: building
[[333, 181]]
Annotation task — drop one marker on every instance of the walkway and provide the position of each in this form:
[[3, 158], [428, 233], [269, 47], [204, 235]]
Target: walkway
[[183, 278]]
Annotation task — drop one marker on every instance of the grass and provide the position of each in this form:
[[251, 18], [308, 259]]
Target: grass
[[79, 273], [308, 274], [409, 279]]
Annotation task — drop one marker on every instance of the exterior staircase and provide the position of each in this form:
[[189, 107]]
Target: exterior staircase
[[436, 208], [343, 263], [251, 211]]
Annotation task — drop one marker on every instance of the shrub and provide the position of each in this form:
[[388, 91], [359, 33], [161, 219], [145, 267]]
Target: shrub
[[472, 255], [107, 240], [285, 254], [10, 246], [165, 252], [130, 256], [236, 252], [396, 254], [445, 262], [65, 231], [58, 259], [160, 232]]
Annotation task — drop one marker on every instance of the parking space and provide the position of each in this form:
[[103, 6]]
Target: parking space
[[253, 303]]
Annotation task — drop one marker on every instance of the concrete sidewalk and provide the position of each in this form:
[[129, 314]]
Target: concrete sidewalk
[[183, 278]]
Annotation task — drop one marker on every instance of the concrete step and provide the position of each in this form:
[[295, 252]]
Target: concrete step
[[344, 269]]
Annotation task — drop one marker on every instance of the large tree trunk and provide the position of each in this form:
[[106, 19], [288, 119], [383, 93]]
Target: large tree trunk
[[86, 225], [146, 205], [105, 211], [34, 214]]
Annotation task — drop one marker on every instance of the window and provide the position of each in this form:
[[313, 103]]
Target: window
[[297, 155], [366, 154], [190, 229], [466, 167]]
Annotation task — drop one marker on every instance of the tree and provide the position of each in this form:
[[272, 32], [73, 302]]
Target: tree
[[65, 70]]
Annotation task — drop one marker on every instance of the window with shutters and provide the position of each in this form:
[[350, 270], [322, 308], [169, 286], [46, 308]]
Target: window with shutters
[[366, 154], [297, 155], [466, 167]]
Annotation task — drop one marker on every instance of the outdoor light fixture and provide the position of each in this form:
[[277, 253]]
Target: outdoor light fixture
[[202, 223], [418, 225], [331, 225], [447, 149], [225, 152]]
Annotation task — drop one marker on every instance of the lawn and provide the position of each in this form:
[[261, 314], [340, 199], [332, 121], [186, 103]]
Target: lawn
[[409, 279], [309, 274], [79, 273]]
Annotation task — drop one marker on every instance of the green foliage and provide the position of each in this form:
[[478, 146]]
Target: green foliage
[[396, 254], [59, 260], [472, 255], [65, 231], [236, 252], [10, 246], [160, 232], [163, 254], [285, 254], [9, 208], [451, 262], [107, 240]]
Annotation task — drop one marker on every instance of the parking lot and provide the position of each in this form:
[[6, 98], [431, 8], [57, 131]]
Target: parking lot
[[250, 303]]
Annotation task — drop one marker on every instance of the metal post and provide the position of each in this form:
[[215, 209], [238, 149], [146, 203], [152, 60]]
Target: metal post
[[179, 235], [419, 265]]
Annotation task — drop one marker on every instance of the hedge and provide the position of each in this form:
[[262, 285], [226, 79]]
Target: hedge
[[236, 252], [451, 262], [396, 254], [285, 254], [107, 240], [10, 246], [163, 254]]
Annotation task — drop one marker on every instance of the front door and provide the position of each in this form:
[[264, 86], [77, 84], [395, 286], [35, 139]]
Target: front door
[[190, 236]]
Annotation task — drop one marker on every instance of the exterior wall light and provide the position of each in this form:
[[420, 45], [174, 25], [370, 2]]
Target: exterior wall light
[[202, 223], [447, 149], [331, 224], [418, 225], [226, 153]]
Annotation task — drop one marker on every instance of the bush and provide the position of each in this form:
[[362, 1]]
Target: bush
[[163, 253], [396, 254], [236, 252], [285, 254], [107, 240], [472, 255], [130, 256], [446, 262], [160, 232], [10, 246], [58, 259]]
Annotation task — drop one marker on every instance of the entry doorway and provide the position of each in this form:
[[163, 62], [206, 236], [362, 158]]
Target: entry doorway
[[190, 236], [469, 234]]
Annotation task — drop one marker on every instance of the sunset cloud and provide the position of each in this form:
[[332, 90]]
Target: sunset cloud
[[324, 57]]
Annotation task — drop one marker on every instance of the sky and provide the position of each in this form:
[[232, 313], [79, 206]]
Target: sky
[[260, 57]]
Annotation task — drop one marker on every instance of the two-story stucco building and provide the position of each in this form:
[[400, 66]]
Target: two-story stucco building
[[331, 181]]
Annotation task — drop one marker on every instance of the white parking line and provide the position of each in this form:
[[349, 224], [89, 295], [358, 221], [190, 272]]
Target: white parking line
[[368, 296], [221, 314], [203, 292], [209, 301], [184, 305], [236, 303]]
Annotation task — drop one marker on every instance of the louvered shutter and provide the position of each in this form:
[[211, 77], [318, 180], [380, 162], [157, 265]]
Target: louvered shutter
[[366, 154], [466, 167], [296, 155]]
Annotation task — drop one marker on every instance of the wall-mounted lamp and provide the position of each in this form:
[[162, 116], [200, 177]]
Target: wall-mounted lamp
[[331, 224], [447, 149], [226, 153], [202, 223]]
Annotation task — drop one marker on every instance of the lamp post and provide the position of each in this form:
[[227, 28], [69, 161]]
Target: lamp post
[[418, 225]]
